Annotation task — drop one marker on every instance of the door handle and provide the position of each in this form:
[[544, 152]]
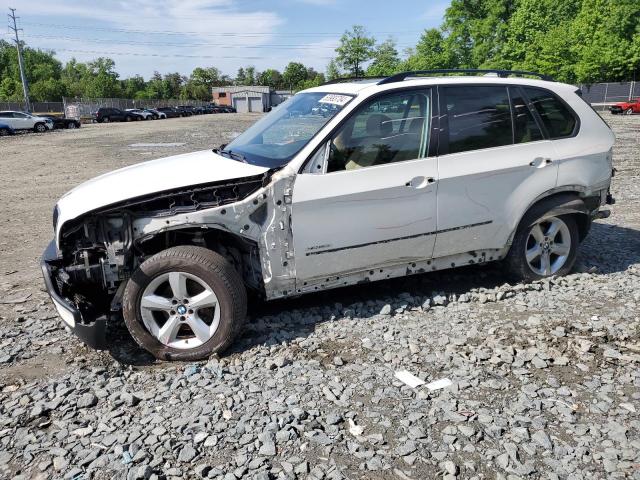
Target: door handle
[[420, 182]]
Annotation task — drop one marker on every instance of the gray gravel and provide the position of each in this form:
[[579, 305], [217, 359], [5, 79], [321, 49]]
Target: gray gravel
[[545, 379]]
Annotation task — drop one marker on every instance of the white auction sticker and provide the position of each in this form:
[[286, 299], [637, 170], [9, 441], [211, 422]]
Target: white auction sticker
[[334, 99]]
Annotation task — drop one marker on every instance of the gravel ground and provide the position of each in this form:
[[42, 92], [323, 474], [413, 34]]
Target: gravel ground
[[544, 376]]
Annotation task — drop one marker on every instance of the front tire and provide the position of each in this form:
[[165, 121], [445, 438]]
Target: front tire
[[185, 303], [543, 247], [39, 128]]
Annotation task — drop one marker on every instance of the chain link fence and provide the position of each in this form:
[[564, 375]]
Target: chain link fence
[[602, 95], [83, 108], [36, 107]]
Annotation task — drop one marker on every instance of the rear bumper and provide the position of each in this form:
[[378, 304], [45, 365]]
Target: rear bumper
[[90, 330]]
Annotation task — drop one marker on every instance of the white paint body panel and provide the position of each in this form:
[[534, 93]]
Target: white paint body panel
[[151, 177], [491, 185], [358, 212]]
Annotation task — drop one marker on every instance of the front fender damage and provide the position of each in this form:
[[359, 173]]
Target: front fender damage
[[99, 252]]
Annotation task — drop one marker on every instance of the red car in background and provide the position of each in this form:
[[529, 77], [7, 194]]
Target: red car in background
[[628, 108]]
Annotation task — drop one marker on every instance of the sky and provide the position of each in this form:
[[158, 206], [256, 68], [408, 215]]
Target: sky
[[143, 36]]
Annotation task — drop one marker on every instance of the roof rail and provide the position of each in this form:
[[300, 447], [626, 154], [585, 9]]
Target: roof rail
[[399, 77], [351, 79]]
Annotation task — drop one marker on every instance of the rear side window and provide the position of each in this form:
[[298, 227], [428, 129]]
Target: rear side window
[[525, 128], [479, 117], [556, 117]]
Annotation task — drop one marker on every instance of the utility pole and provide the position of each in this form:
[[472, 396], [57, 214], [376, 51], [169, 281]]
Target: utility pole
[[23, 77]]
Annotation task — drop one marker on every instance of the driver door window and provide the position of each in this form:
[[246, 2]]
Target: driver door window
[[390, 129]]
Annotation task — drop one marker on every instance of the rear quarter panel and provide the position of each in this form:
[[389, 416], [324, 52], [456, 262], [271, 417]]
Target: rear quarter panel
[[585, 160]]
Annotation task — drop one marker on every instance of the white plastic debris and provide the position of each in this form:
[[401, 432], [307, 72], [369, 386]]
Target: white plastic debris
[[438, 384], [408, 378], [355, 430], [628, 406]]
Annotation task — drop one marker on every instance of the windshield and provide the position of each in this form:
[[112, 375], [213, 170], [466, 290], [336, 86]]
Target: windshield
[[279, 136]]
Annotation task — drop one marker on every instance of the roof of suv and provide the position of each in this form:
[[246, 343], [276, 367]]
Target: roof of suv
[[357, 86]]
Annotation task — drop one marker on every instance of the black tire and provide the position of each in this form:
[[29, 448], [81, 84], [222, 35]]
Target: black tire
[[40, 128], [106, 120], [127, 118], [72, 125], [628, 111], [516, 260], [3, 132], [216, 272]]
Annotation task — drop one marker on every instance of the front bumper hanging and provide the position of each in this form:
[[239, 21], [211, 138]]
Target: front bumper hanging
[[91, 331]]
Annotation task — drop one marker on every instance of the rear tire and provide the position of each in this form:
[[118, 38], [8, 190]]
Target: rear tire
[[543, 246], [162, 322], [72, 126], [3, 132], [628, 111]]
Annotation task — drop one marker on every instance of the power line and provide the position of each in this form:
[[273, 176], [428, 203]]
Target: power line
[[206, 34], [163, 55], [186, 45], [23, 77], [165, 44]]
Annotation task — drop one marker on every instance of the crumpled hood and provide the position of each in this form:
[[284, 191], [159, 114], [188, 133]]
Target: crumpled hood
[[149, 177]]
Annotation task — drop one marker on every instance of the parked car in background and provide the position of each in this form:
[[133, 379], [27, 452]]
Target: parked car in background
[[188, 109], [157, 115], [62, 122], [460, 171], [26, 121], [170, 112], [143, 113], [108, 114], [6, 130], [626, 108]]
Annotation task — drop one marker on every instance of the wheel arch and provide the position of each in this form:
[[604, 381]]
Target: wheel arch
[[565, 201], [241, 252]]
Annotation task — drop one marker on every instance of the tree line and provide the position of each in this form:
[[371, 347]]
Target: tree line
[[575, 41]]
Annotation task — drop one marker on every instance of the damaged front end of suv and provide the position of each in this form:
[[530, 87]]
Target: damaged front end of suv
[[87, 266]]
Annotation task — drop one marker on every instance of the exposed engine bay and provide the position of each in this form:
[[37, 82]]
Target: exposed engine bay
[[101, 250]]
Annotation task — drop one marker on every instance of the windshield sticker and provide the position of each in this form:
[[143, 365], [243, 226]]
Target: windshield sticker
[[333, 99]]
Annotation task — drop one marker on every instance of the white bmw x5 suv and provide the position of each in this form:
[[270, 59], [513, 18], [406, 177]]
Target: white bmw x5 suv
[[351, 182]]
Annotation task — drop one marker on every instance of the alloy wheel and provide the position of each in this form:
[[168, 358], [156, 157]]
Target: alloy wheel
[[548, 246], [180, 310]]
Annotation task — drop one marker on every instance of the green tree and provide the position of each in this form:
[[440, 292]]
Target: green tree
[[606, 42], [386, 60], [294, 76], [241, 77], [333, 70], [474, 30], [355, 49], [270, 78], [432, 52], [250, 73]]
